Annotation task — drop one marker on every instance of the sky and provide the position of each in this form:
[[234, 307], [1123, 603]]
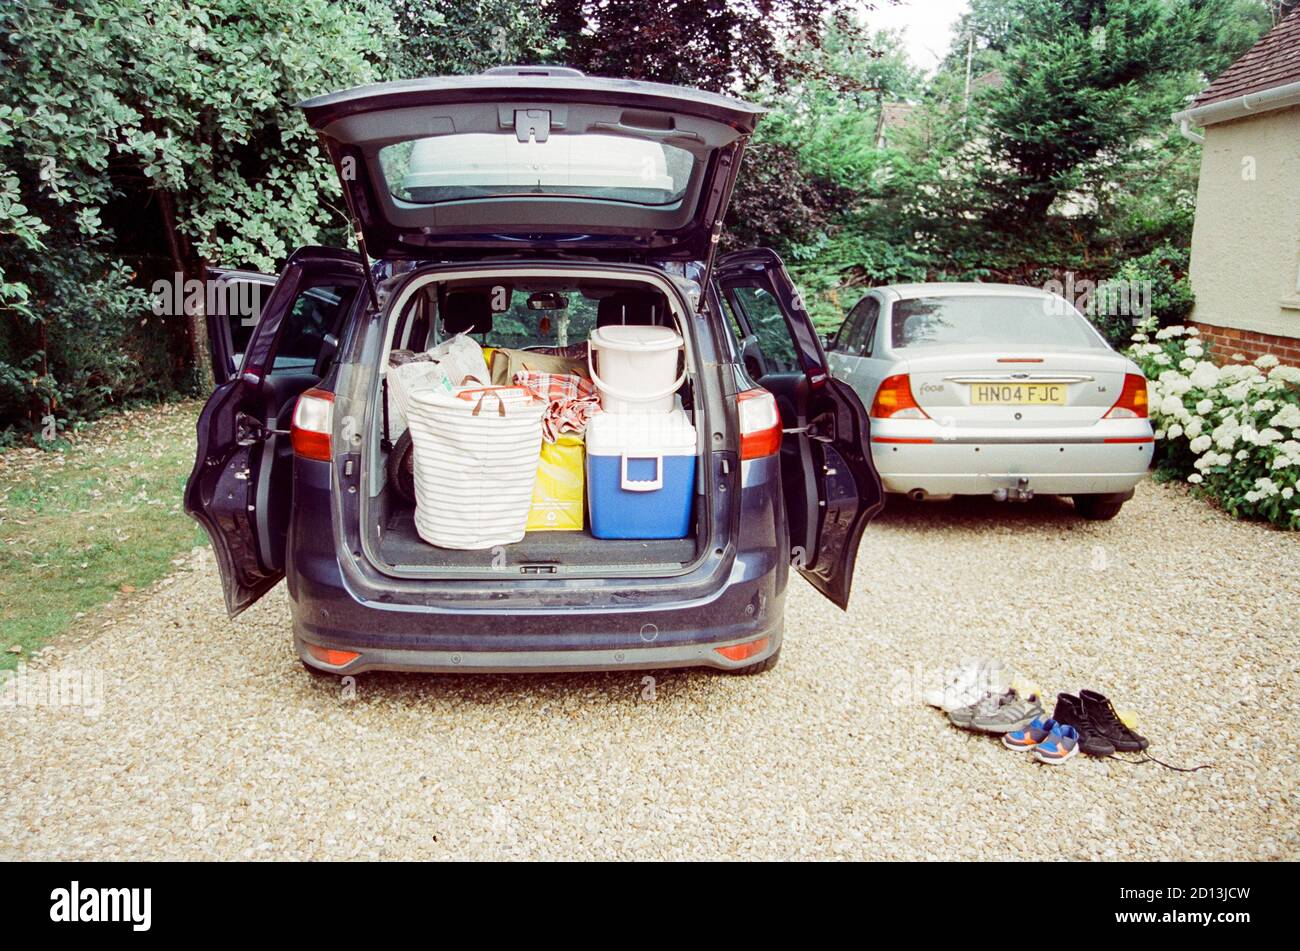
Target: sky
[[927, 24]]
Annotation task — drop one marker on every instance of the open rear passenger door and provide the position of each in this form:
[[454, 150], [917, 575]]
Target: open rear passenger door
[[241, 487], [233, 310], [831, 487]]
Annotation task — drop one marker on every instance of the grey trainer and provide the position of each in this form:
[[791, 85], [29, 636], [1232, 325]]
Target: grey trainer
[[984, 707], [1014, 714]]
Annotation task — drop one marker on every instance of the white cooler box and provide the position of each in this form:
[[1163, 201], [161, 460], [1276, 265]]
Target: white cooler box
[[640, 474]]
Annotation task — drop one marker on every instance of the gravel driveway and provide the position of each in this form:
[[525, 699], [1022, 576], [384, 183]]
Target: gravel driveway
[[213, 743]]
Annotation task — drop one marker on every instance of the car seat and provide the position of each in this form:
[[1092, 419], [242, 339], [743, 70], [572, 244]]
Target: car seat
[[466, 312], [633, 307]]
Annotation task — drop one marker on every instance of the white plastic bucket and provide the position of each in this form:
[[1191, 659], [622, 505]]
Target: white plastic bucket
[[637, 367]]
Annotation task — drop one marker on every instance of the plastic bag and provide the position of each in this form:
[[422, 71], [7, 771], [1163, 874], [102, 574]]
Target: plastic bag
[[462, 358], [409, 378], [558, 494], [452, 363]]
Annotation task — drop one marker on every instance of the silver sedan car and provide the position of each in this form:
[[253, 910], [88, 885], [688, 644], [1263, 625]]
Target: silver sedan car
[[996, 390]]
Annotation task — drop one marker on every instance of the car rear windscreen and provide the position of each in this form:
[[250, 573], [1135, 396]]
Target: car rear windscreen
[[471, 165], [996, 321]]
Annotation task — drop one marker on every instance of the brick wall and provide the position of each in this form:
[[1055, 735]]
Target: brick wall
[[1225, 341]]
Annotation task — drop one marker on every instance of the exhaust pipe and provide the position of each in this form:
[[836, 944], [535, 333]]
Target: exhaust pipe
[[917, 495]]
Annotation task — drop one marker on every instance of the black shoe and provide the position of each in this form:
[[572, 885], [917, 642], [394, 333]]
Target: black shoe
[[1106, 721], [1070, 711]]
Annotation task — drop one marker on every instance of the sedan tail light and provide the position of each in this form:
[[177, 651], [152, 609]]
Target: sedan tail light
[[760, 424], [1132, 402], [894, 400], [313, 422]]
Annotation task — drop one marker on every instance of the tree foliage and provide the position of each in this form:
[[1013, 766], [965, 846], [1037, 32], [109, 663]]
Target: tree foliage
[[140, 138], [724, 47], [1054, 153], [146, 137]]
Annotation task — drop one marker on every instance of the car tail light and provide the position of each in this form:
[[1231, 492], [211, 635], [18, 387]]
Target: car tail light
[[1132, 402], [760, 424], [894, 400], [335, 658], [743, 651], [313, 421]]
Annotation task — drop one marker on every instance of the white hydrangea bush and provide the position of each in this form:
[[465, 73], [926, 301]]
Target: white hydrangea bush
[[1233, 430]]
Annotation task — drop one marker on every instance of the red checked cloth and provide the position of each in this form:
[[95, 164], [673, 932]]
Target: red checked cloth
[[571, 400]]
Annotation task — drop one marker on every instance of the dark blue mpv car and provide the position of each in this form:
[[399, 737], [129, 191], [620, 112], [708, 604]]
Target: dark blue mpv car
[[526, 206]]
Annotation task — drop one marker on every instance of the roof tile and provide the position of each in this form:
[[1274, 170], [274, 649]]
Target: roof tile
[[1273, 61]]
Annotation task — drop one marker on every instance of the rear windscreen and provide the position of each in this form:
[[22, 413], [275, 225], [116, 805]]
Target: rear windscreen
[[998, 321], [485, 165], [527, 314]]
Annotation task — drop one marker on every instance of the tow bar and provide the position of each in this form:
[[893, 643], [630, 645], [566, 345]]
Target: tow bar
[[1021, 493]]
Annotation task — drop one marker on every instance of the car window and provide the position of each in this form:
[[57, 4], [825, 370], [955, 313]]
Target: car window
[[856, 337], [732, 320], [763, 314], [316, 311], [997, 320], [843, 342], [240, 301], [520, 326], [870, 317], [462, 165]]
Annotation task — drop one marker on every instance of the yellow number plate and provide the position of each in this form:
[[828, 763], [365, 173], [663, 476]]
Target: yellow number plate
[[1017, 394]]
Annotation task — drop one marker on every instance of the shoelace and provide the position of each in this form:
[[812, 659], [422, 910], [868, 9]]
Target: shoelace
[[1112, 727], [1148, 758], [1084, 726]]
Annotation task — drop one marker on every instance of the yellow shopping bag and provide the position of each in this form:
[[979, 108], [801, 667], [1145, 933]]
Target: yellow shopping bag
[[558, 494]]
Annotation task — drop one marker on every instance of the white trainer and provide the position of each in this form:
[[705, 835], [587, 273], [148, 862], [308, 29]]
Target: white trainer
[[975, 679]]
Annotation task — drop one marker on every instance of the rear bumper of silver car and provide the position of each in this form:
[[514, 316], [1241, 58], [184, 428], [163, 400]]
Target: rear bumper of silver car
[[1108, 464]]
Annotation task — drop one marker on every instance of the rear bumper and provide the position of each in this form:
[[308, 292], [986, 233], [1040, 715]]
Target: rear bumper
[[736, 596], [1108, 458], [642, 657], [426, 638]]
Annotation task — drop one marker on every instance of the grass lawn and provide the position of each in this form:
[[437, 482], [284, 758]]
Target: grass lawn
[[98, 518]]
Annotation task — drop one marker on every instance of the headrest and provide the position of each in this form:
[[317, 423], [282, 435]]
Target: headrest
[[466, 312], [633, 307]]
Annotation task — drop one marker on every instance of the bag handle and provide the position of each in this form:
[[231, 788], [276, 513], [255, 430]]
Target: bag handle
[[470, 378], [623, 395], [501, 404]]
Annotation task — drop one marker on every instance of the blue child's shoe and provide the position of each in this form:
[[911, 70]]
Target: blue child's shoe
[[1030, 736], [1059, 745]]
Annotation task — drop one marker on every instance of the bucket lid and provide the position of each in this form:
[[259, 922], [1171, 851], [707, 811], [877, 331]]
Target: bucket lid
[[666, 434], [639, 338]]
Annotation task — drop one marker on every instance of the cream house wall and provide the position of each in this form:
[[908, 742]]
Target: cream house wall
[[1245, 267]]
